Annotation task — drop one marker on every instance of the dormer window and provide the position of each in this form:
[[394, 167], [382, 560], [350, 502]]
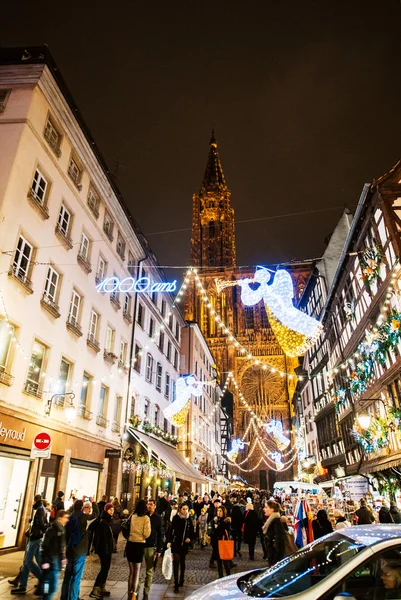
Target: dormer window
[[108, 226], [75, 172]]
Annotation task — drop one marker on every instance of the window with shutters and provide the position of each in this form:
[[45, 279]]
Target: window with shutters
[[93, 201], [122, 359], [159, 374], [101, 269], [167, 386], [36, 366], [137, 358], [75, 172], [75, 313], [39, 187], [52, 136], [110, 336], [22, 260], [64, 220], [168, 353], [151, 327], [120, 246], [93, 326], [51, 285], [156, 416], [149, 368], [161, 341], [141, 315], [84, 246]]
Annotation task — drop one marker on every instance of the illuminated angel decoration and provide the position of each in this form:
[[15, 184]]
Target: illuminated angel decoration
[[236, 446], [295, 331], [275, 428], [277, 458], [185, 387]]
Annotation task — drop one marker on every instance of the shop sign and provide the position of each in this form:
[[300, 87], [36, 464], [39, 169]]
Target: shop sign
[[111, 453], [129, 284], [357, 487], [41, 445], [11, 434]]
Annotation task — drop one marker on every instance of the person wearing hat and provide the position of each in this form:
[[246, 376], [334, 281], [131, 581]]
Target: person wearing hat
[[104, 546]]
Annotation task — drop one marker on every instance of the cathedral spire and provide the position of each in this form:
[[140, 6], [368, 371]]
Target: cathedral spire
[[213, 178]]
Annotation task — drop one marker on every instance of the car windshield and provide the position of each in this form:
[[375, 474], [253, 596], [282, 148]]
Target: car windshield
[[303, 569]]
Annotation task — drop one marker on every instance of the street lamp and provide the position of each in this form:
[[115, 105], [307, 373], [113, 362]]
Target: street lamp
[[364, 418], [70, 410]]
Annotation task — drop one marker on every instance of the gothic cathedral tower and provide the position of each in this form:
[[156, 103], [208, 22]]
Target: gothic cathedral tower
[[213, 235], [246, 345]]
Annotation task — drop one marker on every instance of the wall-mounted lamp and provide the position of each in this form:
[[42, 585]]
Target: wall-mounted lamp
[[70, 410]]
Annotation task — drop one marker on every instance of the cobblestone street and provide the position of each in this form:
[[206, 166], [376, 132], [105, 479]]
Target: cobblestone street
[[197, 574]]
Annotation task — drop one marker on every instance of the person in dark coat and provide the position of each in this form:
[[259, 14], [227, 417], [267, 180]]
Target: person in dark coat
[[57, 504], [53, 557], [179, 537], [385, 515], [162, 503], [250, 529], [153, 546], [116, 522], [274, 533], [237, 520], [395, 513], [221, 531], [37, 529], [211, 514], [104, 546], [365, 516], [321, 525]]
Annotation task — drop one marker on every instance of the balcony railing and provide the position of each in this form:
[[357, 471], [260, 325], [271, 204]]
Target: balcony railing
[[5, 378], [99, 278], [115, 427], [100, 420], [19, 275], [93, 343], [84, 413], [51, 306], [127, 316], [38, 203], [74, 326], [109, 356], [115, 301], [64, 235], [84, 262], [32, 388]]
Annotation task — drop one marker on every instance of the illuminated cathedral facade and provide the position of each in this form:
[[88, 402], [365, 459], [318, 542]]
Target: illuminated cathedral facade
[[249, 350]]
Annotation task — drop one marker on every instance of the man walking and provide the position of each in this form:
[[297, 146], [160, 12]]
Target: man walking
[[53, 554], [35, 534], [77, 546], [153, 545]]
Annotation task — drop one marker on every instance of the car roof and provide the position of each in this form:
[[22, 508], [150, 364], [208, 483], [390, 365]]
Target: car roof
[[372, 534]]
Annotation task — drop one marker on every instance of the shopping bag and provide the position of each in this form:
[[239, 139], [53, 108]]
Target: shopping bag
[[226, 549], [167, 564]]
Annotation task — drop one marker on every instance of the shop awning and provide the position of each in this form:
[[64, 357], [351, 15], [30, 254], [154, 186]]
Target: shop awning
[[173, 459], [381, 464]]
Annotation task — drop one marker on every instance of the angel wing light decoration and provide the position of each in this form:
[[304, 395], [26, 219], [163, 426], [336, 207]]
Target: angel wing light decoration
[[236, 446], [177, 411]]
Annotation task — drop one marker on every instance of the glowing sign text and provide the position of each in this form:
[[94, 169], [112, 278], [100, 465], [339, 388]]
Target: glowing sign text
[[129, 284]]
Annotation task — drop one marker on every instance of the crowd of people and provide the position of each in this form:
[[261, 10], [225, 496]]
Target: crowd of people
[[60, 539]]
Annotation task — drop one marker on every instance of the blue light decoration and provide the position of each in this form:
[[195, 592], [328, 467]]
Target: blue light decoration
[[111, 285], [236, 446], [295, 331]]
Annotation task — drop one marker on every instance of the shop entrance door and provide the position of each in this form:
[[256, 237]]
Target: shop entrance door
[[13, 480], [47, 479]]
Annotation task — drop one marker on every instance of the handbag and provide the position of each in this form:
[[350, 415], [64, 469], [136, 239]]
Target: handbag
[[126, 526], [289, 544], [226, 548], [167, 564]]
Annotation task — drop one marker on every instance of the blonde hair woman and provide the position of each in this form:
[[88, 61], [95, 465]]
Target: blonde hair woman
[[140, 529]]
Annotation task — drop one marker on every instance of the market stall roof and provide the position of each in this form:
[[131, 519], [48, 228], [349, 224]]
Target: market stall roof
[[171, 457]]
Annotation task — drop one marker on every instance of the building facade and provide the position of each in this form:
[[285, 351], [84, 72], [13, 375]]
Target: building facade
[[356, 392], [200, 439], [64, 347], [240, 338]]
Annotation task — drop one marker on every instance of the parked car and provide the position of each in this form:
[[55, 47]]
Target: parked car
[[357, 563]]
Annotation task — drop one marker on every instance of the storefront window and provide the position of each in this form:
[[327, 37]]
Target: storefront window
[[13, 480], [81, 482]]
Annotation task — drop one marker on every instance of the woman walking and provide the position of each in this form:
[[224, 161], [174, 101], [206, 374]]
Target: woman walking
[[250, 529], [104, 546], [140, 529], [202, 523], [221, 531], [179, 537], [116, 524], [274, 533]]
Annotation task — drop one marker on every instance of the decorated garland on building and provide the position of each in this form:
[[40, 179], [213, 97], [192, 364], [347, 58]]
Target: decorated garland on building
[[375, 437], [370, 262]]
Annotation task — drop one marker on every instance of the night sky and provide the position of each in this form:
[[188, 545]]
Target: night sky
[[304, 96]]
